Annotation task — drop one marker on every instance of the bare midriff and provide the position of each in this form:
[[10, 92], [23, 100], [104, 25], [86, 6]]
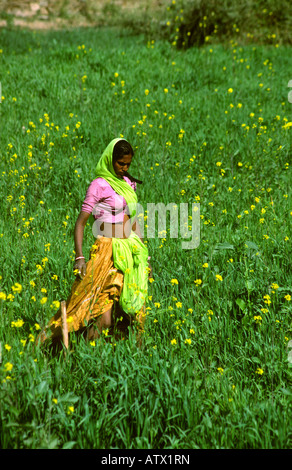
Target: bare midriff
[[118, 230]]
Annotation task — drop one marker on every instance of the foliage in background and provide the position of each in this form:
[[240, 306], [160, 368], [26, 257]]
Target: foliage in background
[[200, 21], [184, 23]]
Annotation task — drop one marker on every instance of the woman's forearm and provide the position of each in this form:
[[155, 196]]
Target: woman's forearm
[[79, 233], [78, 239]]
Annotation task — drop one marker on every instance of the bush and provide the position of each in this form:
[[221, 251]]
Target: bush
[[187, 23], [204, 20]]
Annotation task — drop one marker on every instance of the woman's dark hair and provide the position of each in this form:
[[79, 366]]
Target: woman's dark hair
[[121, 148]]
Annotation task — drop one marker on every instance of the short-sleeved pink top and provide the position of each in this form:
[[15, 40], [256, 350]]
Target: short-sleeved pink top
[[104, 203]]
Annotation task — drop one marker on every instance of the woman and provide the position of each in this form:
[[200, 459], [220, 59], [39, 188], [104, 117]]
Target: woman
[[112, 286]]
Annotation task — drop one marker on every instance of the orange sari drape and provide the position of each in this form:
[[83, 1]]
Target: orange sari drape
[[93, 295]]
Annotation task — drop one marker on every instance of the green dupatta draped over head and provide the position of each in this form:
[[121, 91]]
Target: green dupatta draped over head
[[130, 254]]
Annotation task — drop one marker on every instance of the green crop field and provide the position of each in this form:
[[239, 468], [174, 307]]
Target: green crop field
[[209, 125]]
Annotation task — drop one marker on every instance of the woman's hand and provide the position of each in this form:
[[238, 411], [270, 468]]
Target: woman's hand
[[80, 267]]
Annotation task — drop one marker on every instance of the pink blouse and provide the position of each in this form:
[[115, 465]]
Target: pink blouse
[[104, 203]]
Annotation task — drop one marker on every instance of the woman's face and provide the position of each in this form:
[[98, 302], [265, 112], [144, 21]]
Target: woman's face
[[122, 164]]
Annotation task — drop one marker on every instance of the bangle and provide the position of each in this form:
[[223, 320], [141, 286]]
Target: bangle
[[79, 257]]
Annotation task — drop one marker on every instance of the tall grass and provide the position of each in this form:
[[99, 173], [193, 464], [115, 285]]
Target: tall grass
[[209, 125]]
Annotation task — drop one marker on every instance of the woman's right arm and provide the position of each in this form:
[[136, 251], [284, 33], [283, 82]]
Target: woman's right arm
[[81, 221]]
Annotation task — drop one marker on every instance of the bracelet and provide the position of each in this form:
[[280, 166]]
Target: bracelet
[[79, 257]]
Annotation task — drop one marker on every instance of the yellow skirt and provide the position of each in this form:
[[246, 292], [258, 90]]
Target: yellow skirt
[[93, 295]]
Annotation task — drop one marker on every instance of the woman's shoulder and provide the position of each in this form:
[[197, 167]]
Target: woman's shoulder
[[100, 183], [99, 188]]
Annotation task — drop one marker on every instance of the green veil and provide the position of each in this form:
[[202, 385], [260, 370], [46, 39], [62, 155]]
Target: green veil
[[130, 255]]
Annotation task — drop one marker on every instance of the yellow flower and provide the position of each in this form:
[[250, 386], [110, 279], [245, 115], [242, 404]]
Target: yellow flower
[[205, 265], [17, 324], [178, 304], [218, 277], [274, 286], [230, 90], [188, 341], [2, 296], [44, 300], [220, 370], [55, 304], [257, 318], [173, 341], [55, 401], [70, 410], [39, 268], [198, 282], [288, 297], [7, 347], [17, 287], [210, 313], [259, 371], [8, 366], [174, 281]]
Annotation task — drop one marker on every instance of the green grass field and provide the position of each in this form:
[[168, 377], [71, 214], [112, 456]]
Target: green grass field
[[209, 125]]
